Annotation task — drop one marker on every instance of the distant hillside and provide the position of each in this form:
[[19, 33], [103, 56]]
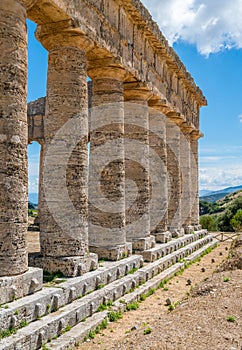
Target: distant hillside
[[217, 216], [32, 205], [203, 193], [214, 196], [223, 203], [219, 205]]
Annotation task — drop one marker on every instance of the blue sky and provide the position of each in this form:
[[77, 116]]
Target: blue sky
[[208, 38]]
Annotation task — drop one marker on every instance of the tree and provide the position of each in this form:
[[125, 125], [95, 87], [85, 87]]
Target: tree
[[236, 221], [208, 222], [208, 207], [224, 220]]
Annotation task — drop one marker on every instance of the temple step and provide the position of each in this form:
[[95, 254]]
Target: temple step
[[75, 336], [53, 311]]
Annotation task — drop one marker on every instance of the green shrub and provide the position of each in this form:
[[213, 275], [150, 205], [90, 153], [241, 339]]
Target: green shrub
[[132, 306], [236, 221], [208, 222], [114, 316], [231, 319], [147, 331]]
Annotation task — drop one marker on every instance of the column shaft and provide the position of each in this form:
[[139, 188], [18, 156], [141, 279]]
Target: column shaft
[[13, 138], [64, 162], [40, 189], [194, 181], [138, 186], [158, 173], [185, 166], [64, 201], [107, 235], [174, 177]]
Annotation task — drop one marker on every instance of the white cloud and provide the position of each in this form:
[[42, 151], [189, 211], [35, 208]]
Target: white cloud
[[211, 25], [240, 118], [33, 184], [218, 178]]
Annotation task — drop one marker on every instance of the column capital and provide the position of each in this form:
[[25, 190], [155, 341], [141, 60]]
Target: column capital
[[63, 34], [187, 128], [106, 69], [196, 135], [137, 91], [178, 118], [159, 105]]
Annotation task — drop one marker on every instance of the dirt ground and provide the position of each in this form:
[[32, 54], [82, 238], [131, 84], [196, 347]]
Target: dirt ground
[[209, 316]]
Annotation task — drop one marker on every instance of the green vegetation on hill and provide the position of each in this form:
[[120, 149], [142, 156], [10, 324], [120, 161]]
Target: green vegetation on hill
[[222, 215], [213, 197]]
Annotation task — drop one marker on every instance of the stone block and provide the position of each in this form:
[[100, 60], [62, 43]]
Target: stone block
[[163, 237], [15, 287], [70, 266], [144, 243], [177, 233], [189, 229], [113, 253]]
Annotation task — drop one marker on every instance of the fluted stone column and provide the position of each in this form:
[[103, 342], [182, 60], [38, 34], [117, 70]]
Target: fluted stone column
[[194, 136], [13, 138], [158, 172], [17, 280], [40, 189], [174, 177], [64, 207], [138, 189], [107, 236], [186, 181]]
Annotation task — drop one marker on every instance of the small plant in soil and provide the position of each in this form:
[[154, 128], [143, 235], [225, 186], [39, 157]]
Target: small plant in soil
[[147, 331], [132, 306], [114, 316], [231, 319]]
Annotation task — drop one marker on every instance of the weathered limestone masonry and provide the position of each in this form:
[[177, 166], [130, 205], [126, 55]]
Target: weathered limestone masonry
[[14, 179], [174, 177], [107, 235], [136, 127], [13, 155], [152, 101], [36, 113], [64, 215], [185, 165], [158, 144], [195, 135]]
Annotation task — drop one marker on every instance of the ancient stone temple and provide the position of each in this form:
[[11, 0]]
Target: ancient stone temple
[[118, 130]]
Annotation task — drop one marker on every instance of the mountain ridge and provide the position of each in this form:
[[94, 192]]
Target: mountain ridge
[[213, 196]]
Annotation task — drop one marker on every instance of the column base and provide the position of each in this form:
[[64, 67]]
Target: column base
[[113, 253], [143, 243], [176, 233], [189, 229], [70, 266], [163, 237], [15, 287], [197, 227]]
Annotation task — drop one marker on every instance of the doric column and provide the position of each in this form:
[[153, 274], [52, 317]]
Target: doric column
[[40, 189], [158, 171], [194, 136], [138, 186], [107, 236], [64, 207], [13, 138], [186, 183], [174, 174]]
